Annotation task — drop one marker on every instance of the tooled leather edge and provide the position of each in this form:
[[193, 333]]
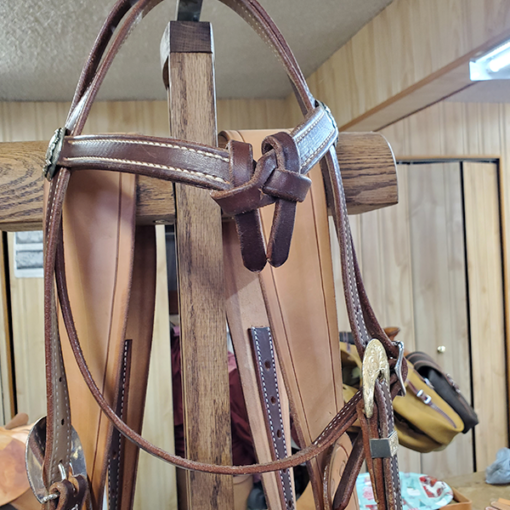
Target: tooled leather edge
[[263, 350]]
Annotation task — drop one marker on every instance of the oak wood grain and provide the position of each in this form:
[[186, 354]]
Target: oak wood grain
[[206, 397], [21, 190], [366, 162]]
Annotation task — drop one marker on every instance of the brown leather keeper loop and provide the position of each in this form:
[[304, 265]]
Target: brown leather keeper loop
[[276, 178], [288, 162], [246, 196], [248, 225], [287, 185]]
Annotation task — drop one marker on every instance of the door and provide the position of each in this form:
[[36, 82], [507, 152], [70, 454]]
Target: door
[[432, 266]]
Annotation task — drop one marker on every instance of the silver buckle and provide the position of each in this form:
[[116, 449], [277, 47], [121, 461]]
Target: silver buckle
[[384, 448], [398, 367], [53, 153]]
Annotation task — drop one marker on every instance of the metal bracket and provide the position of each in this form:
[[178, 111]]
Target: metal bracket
[[189, 10], [398, 367], [53, 153], [384, 448]]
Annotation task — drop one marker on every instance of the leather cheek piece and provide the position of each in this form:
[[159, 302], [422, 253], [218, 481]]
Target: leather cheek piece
[[276, 178]]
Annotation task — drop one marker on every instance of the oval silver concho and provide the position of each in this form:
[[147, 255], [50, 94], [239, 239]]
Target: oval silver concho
[[34, 458]]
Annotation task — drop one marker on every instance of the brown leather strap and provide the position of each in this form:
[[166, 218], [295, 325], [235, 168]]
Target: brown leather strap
[[249, 229], [116, 457], [348, 481], [72, 494], [338, 425], [58, 433], [265, 358]]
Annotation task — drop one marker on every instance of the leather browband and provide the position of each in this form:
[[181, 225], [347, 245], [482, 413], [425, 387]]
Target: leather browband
[[241, 188]]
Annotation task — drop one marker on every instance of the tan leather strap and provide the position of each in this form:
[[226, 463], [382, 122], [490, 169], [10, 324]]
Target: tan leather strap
[[245, 307]]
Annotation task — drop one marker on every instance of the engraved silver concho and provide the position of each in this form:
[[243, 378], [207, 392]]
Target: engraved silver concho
[[34, 459], [375, 365]]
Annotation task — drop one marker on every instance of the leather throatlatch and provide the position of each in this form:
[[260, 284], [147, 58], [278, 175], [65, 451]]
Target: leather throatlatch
[[276, 178]]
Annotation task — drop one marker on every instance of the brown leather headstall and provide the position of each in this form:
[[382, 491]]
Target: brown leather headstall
[[241, 187]]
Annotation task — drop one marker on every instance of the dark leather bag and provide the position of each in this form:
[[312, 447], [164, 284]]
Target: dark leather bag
[[444, 385]]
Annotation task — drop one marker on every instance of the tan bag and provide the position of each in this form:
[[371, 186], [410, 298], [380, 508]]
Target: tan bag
[[424, 421]]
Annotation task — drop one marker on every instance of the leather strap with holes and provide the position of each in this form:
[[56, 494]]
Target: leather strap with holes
[[263, 352]]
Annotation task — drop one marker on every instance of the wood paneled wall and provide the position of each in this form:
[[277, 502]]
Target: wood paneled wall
[[461, 130], [408, 44], [450, 129]]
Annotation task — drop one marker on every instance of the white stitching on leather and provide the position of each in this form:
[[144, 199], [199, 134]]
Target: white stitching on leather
[[355, 296], [335, 420], [57, 432], [151, 165], [55, 356], [309, 128], [319, 149], [389, 417], [124, 373], [262, 378], [156, 144], [53, 206], [287, 498]]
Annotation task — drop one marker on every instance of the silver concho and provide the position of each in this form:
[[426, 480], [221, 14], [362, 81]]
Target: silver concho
[[34, 458], [375, 364]]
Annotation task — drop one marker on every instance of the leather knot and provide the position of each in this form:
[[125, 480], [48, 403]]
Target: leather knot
[[274, 179]]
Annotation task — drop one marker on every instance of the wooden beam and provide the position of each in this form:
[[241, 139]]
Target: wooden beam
[[366, 160], [188, 72]]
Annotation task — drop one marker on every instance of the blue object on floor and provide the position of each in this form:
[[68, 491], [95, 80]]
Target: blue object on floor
[[498, 473]]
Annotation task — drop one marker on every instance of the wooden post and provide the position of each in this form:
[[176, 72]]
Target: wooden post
[[187, 53]]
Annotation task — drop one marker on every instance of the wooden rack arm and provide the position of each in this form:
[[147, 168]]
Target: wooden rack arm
[[366, 161]]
